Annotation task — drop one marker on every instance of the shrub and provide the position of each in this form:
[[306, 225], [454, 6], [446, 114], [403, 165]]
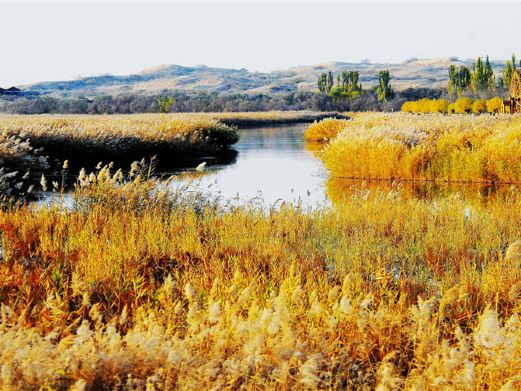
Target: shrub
[[408, 107], [438, 106], [463, 105], [494, 105], [425, 105], [479, 106]]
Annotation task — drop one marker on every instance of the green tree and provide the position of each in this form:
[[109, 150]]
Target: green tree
[[350, 82], [510, 67], [464, 78], [322, 81], [165, 104], [329, 83], [453, 79], [482, 75], [459, 79], [325, 82], [490, 80], [383, 89]]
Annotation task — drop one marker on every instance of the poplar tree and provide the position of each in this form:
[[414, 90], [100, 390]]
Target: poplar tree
[[322, 82], [350, 82], [325, 82], [482, 75], [509, 69], [383, 89]]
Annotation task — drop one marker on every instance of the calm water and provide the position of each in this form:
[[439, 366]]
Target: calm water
[[273, 164]]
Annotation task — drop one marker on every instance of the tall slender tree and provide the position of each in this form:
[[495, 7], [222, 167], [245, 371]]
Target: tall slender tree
[[325, 82], [322, 82], [510, 67], [383, 89], [350, 82], [329, 84], [482, 75]]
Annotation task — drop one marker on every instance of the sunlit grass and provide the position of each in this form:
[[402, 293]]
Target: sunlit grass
[[95, 138], [139, 287], [428, 147], [324, 130]]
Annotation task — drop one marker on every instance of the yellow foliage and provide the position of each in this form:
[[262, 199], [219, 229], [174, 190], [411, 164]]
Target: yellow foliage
[[438, 106], [408, 107], [324, 130], [430, 147], [479, 106], [135, 288], [463, 105], [425, 105], [494, 105]]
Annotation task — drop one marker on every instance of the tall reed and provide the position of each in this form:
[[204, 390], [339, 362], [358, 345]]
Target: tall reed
[[139, 286], [428, 147]]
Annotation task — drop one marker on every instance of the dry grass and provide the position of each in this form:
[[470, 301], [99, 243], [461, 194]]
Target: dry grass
[[244, 119], [324, 130], [173, 138], [428, 147], [20, 166], [81, 138], [138, 288]]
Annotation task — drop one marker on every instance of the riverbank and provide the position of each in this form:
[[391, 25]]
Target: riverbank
[[113, 138], [40, 144], [430, 147], [254, 119]]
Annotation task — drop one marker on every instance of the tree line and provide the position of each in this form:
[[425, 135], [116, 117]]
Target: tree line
[[480, 79], [348, 85], [212, 102]]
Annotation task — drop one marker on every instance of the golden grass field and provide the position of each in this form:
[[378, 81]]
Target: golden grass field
[[438, 147], [131, 136], [139, 286], [32, 146], [169, 291], [325, 130]]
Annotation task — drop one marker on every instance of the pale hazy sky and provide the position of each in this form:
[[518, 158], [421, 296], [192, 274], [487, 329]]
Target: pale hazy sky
[[44, 41]]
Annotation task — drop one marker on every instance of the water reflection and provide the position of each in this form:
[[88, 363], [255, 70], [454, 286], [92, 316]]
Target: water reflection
[[270, 165], [338, 190], [273, 164]]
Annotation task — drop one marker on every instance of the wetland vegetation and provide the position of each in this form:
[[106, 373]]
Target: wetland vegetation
[[139, 284]]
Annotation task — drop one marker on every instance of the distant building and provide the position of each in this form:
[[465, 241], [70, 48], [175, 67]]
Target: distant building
[[513, 104], [10, 91], [14, 91]]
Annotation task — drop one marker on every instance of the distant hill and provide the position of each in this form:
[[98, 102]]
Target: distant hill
[[431, 73]]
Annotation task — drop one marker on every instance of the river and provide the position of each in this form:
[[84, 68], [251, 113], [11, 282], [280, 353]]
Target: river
[[273, 164]]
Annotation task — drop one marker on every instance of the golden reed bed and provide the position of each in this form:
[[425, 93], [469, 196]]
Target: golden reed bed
[[435, 147], [138, 288]]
